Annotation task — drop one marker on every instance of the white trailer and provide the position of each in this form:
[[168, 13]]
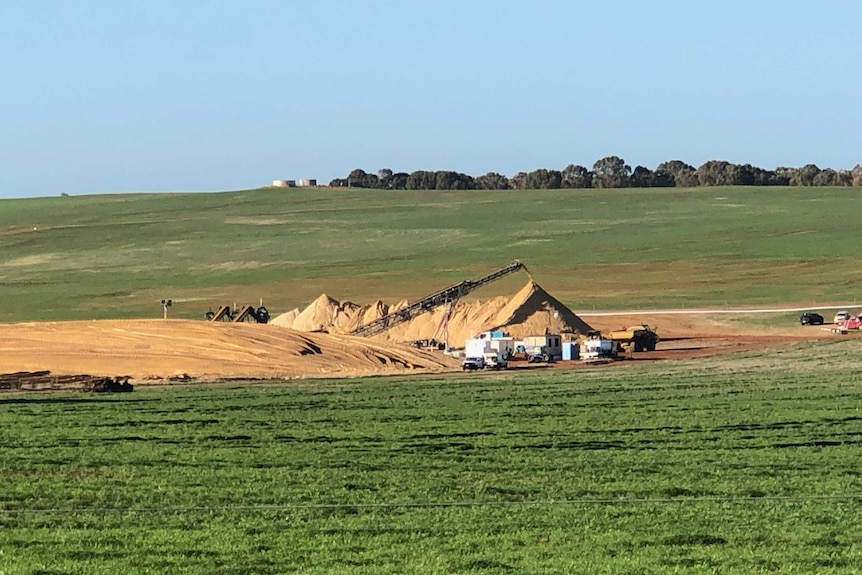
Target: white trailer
[[490, 342], [598, 349], [477, 347]]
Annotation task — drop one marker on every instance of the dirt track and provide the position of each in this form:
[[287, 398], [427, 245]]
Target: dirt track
[[693, 335]]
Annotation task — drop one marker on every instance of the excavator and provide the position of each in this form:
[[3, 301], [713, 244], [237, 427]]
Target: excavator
[[245, 313], [429, 303]]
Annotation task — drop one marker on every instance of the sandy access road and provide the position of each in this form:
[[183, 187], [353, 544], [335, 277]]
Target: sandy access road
[[157, 351]]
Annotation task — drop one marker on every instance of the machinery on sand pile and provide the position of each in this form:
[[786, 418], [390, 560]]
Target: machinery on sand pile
[[447, 297], [245, 313]]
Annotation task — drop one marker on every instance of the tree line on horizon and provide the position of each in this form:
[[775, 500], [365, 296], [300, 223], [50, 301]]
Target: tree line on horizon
[[608, 172]]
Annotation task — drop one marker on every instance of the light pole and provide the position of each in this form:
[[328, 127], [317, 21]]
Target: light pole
[[166, 303]]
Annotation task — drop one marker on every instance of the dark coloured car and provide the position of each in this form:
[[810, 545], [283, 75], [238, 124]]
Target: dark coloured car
[[811, 318]]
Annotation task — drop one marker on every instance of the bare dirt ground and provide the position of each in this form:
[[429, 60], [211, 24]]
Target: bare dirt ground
[[159, 351], [701, 334]]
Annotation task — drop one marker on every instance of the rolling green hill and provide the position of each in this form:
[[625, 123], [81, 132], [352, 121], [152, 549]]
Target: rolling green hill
[[116, 256]]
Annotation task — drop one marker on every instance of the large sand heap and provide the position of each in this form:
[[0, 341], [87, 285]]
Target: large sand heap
[[161, 349], [532, 311]]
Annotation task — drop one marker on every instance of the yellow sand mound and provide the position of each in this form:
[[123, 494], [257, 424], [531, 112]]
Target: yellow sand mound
[[160, 349], [532, 311]]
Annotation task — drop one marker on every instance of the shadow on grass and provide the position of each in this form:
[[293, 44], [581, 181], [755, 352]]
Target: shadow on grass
[[43, 400]]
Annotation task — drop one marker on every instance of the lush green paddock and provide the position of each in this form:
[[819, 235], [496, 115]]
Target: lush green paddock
[[118, 255], [721, 466]]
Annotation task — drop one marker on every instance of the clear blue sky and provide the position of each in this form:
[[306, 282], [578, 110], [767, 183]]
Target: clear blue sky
[[104, 96]]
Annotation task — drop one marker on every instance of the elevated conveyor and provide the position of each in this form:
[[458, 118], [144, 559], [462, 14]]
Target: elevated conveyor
[[433, 301]]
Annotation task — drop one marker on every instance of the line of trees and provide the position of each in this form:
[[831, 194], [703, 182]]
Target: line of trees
[[609, 172]]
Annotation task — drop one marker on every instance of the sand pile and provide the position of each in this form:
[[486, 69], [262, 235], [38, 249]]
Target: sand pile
[[532, 311], [153, 350]]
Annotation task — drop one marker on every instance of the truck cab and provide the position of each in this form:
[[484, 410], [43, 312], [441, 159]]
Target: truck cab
[[473, 363], [495, 360], [635, 338]]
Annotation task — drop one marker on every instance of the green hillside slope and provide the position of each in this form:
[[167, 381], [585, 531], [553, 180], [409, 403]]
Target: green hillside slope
[[88, 257]]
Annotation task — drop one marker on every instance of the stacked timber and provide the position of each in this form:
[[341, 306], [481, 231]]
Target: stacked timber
[[45, 380]]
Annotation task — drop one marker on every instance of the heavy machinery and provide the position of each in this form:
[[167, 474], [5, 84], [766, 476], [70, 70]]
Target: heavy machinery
[[635, 338], [250, 313], [223, 313], [443, 297], [596, 348], [245, 313]]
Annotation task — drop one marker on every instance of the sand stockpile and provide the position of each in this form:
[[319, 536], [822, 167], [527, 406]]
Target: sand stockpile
[[161, 349], [532, 311]]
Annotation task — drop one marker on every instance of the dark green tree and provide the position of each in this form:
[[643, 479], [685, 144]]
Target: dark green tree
[[492, 181], [384, 178], [611, 172], [643, 177], [576, 176], [719, 173], [740, 175], [805, 175], [398, 181], [686, 179], [357, 178], [448, 180], [830, 177], [422, 180], [543, 179], [518, 180], [679, 173], [757, 176], [782, 176], [673, 166]]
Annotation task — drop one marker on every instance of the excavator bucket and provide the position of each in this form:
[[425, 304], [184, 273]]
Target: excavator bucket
[[246, 313], [222, 314]]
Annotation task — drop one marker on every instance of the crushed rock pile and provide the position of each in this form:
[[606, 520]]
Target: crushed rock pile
[[532, 311]]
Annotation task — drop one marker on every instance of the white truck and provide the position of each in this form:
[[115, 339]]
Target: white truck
[[598, 349], [495, 360]]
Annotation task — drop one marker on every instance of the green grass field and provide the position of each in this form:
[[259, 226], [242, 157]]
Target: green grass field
[[116, 256], [748, 464], [739, 464]]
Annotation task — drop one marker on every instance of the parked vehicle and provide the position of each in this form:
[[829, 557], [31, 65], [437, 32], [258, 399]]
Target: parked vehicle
[[596, 348], [841, 316], [539, 357], [811, 318], [473, 363], [853, 322], [636, 338], [495, 360]]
